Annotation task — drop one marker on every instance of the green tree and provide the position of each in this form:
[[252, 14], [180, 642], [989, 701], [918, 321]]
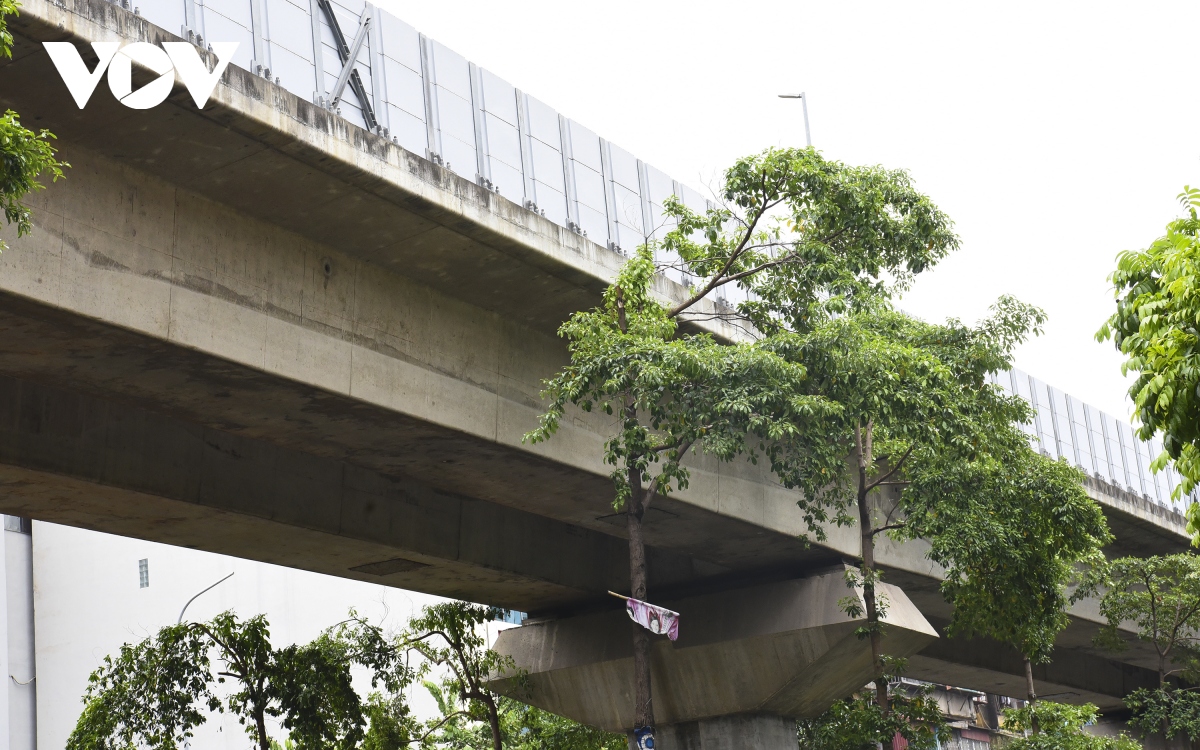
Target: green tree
[[154, 693], [811, 238], [1061, 728], [1157, 327], [858, 723], [1160, 597], [1010, 547], [451, 636], [24, 154]]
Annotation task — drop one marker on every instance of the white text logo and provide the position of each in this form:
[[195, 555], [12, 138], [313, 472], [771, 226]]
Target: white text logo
[[175, 58]]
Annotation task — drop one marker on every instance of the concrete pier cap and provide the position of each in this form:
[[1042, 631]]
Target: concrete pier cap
[[747, 662]]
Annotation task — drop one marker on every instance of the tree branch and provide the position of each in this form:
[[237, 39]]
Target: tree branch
[[895, 468]]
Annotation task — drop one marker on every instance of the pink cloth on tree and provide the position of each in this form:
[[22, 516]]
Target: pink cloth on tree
[[655, 619]]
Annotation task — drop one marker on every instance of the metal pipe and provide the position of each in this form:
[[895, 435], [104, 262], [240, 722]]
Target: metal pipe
[[197, 596]]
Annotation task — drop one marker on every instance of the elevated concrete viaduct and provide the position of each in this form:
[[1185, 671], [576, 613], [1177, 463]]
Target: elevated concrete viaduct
[[259, 330]]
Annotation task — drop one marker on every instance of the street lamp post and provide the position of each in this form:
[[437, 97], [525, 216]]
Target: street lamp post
[[804, 104], [194, 598]]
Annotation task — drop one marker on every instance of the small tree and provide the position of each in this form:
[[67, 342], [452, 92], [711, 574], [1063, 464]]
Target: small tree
[[154, 693], [858, 723], [1061, 728], [1160, 597], [1010, 548], [451, 636], [24, 154], [1157, 327]]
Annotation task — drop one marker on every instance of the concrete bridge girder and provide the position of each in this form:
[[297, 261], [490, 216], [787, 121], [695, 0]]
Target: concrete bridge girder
[[367, 333]]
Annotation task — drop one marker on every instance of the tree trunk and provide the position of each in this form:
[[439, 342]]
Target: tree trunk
[[643, 708], [493, 721], [260, 725], [867, 538], [1031, 694]]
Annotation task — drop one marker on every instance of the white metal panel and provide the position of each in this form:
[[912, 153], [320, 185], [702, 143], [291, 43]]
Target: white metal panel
[[660, 185], [553, 202], [593, 223], [589, 188], [294, 72], [288, 26], [409, 131], [547, 167], [629, 209], [218, 28], [459, 156], [504, 142], [543, 125], [166, 14], [624, 166], [452, 71], [585, 146], [455, 117], [508, 180], [400, 42], [234, 11], [693, 199], [499, 99], [403, 89], [629, 238]]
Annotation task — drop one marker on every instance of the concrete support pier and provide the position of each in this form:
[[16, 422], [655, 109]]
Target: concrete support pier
[[747, 664], [757, 731]]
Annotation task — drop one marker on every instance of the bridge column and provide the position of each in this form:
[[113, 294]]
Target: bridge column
[[757, 731], [748, 662]]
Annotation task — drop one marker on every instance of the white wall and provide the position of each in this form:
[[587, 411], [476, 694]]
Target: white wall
[[17, 696], [87, 603]]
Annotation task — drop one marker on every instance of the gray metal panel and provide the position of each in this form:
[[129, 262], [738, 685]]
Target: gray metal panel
[[428, 78], [455, 117], [1098, 443], [1129, 452], [609, 200], [1116, 453], [499, 97], [378, 74], [692, 199], [482, 165], [1144, 458], [318, 53], [568, 162], [1062, 424], [522, 101]]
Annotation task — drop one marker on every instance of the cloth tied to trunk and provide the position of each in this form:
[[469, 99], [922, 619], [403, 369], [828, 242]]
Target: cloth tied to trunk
[[655, 619]]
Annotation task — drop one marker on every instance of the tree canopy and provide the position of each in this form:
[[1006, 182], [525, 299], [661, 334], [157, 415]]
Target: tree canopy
[[24, 154], [1157, 327]]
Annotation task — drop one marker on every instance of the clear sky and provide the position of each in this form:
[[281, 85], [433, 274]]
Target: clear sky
[[1054, 133]]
